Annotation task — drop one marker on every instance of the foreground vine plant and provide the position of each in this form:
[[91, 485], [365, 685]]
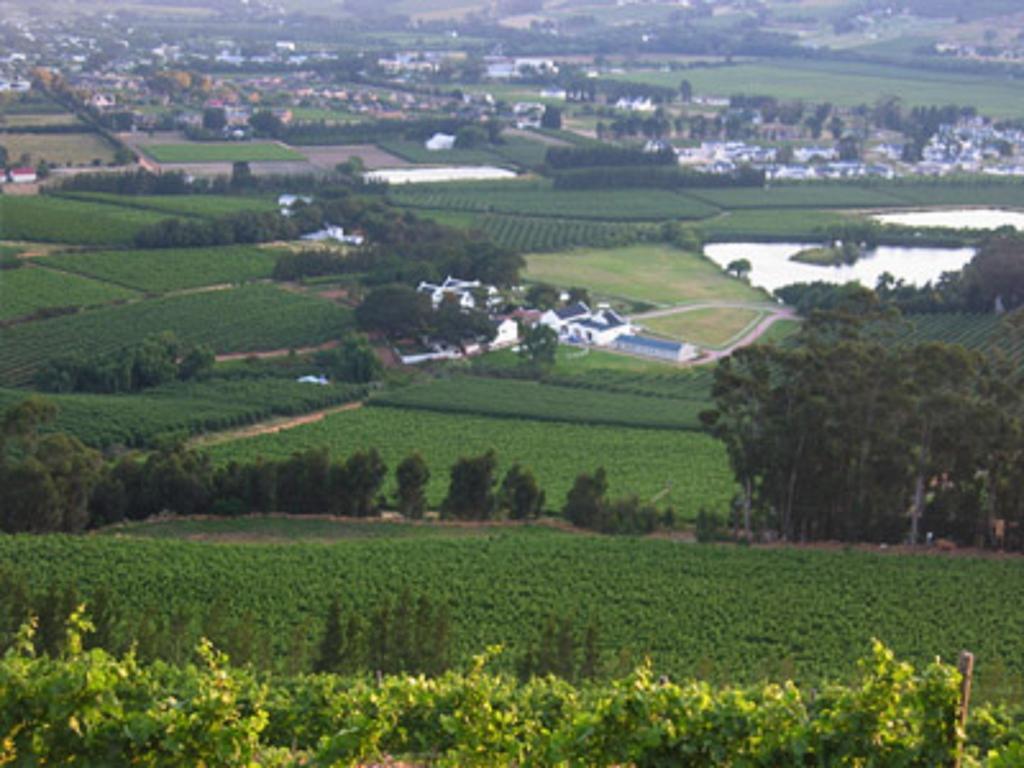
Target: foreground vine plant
[[87, 707]]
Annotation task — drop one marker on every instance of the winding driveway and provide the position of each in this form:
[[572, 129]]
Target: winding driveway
[[773, 314]]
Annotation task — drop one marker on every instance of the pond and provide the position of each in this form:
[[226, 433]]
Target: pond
[[447, 173], [956, 218], [772, 268]]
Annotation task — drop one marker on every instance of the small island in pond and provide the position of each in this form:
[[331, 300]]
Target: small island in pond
[[836, 255]]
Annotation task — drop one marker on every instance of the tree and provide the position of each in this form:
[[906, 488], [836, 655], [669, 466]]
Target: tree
[[214, 119], [241, 175], [395, 310], [358, 482], [585, 501], [266, 123], [471, 488], [739, 267], [412, 476], [539, 345], [686, 91], [519, 495], [197, 363], [552, 118], [3, 156], [542, 296], [354, 361]]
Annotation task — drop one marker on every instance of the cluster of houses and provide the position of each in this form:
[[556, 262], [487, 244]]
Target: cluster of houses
[[575, 324]]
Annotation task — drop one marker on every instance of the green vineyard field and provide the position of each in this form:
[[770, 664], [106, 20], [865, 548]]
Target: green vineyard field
[[179, 205], [537, 235], [684, 469], [509, 398], [60, 220], [168, 269], [31, 289], [193, 408], [246, 319], [720, 613], [538, 198]]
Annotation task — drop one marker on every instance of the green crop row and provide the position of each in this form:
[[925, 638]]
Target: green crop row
[[684, 469], [510, 398], [246, 319], [168, 269]]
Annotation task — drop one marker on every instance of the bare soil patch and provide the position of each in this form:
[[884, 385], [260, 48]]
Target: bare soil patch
[[373, 157]]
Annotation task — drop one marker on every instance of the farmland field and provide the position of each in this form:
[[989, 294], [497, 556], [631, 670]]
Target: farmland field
[[712, 327], [531, 400], [180, 205], [30, 289], [847, 84], [659, 274], [243, 319], [415, 152], [183, 408], [538, 234], [221, 152], [59, 220], [720, 613], [59, 148], [539, 198], [645, 462], [168, 269]]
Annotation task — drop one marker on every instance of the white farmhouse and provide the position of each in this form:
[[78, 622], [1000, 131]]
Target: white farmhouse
[[506, 333], [463, 292], [578, 324]]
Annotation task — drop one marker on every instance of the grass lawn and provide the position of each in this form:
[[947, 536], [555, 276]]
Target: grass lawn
[[713, 327], [59, 148], [659, 274], [221, 152], [30, 289], [780, 330]]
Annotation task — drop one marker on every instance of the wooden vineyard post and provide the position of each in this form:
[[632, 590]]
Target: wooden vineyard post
[[966, 667]]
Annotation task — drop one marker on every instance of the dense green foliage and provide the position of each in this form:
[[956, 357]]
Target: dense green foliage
[[205, 713], [169, 269], [29, 291], [545, 402], [723, 613], [682, 469], [837, 435], [239, 320]]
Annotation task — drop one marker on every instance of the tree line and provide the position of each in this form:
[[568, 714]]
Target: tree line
[[54, 483], [842, 435]]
